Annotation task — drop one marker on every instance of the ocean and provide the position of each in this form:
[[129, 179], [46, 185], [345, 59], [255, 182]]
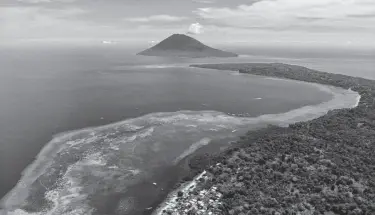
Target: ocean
[[99, 130]]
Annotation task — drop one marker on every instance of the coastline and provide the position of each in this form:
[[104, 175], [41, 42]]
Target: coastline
[[321, 166], [198, 164]]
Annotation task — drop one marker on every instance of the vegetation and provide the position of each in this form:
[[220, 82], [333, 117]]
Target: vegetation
[[324, 166]]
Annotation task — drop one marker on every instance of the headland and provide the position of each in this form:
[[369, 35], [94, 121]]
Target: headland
[[322, 166]]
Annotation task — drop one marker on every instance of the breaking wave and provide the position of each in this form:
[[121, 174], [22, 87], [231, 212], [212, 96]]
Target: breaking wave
[[75, 167]]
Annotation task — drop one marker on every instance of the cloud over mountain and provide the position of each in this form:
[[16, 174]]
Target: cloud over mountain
[[195, 28], [326, 21]]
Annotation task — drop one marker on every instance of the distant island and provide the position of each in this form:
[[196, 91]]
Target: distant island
[[180, 45]]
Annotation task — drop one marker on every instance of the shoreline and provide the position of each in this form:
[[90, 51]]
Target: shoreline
[[184, 158], [307, 160]]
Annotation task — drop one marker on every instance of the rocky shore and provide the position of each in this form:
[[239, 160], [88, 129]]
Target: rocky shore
[[323, 166]]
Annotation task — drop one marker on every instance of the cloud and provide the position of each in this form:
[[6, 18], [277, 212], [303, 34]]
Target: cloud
[[38, 22], [29, 22], [156, 18], [195, 28], [293, 15], [266, 20]]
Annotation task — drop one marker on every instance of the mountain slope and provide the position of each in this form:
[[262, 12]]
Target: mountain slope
[[180, 45]]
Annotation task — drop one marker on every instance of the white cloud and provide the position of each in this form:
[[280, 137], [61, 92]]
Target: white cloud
[[195, 28], [328, 21], [295, 14], [156, 18], [32, 23]]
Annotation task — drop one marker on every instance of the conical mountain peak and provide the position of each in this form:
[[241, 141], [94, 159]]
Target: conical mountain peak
[[181, 45]]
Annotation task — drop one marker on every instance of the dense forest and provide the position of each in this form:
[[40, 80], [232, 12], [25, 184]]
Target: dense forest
[[323, 166]]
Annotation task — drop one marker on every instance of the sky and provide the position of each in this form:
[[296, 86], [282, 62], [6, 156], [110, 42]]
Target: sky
[[301, 22]]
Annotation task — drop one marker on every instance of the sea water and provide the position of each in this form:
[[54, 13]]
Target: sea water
[[103, 121]]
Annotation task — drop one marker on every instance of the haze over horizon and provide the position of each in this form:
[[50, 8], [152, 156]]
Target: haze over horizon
[[306, 23]]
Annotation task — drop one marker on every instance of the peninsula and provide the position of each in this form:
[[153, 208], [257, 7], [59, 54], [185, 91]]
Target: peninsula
[[180, 45], [323, 166]]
